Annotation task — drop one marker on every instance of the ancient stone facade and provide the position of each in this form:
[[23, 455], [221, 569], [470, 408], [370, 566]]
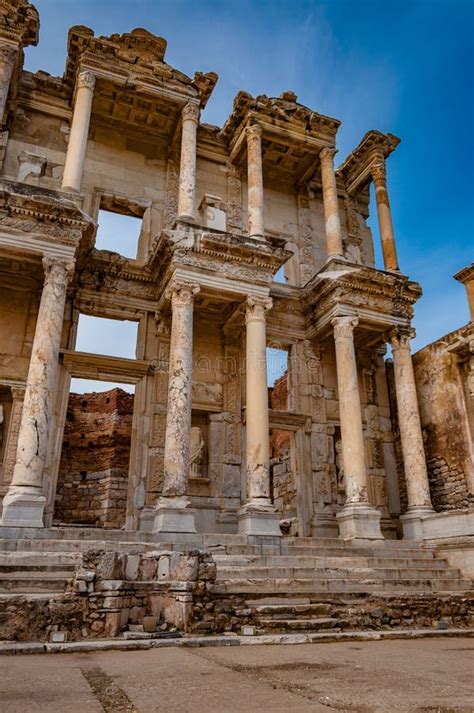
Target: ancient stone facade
[[222, 210]]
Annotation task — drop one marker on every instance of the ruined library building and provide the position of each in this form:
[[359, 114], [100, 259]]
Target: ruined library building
[[198, 497]]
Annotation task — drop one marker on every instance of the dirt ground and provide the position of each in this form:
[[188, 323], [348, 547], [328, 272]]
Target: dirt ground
[[425, 676]]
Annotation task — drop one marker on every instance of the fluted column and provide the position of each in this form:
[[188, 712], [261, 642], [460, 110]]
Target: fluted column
[[255, 181], [8, 55], [77, 146], [257, 517], [387, 237], [331, 204], [357, 519], [24, 503], [187, 170], [416, 474], [173, 512]]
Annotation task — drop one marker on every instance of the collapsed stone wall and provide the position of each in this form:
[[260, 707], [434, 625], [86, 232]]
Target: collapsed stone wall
[[93, 472], [445, 426]]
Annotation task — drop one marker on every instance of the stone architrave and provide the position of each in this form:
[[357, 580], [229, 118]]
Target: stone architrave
[[187, 171], [8, 54], [76, 150], [387, 237], [255, 181], [24, 503], [331, 204], [358, 520], [257, 516], [173, 513], [416, 473]]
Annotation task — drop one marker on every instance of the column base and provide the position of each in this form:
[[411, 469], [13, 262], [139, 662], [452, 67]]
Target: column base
[[324, 524], [259, 518], [412, 522], [359, 522], [23, 506], [174, 515]]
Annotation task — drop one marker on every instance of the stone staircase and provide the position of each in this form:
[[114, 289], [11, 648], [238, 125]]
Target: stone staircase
[[36, 572], [315, 585]]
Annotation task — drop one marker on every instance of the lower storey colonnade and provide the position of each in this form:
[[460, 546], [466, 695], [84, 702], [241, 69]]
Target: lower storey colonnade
[[357, 519]]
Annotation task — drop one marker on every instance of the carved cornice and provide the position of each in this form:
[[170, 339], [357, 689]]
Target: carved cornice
[[356, 169], [19, 22]]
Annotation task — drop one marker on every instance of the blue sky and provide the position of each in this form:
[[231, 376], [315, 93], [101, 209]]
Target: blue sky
[[406, 67]]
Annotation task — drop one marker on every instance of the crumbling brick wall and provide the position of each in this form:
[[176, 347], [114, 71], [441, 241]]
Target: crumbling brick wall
[[93, 473]]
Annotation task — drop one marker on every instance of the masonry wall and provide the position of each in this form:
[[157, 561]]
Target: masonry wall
[[93, 472], [445, 426]]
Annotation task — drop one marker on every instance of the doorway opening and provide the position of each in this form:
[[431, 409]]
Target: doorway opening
[[93, 472]]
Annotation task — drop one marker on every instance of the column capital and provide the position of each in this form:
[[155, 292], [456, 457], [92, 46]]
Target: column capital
[[400, 337], [58, 268], [344, 326], [181, 292], [327, 153], [254, 131], [191, 112], [18, 392], [378, 171], [255, 308], [86, 80]]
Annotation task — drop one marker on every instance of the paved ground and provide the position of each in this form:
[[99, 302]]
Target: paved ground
[[429, 676]]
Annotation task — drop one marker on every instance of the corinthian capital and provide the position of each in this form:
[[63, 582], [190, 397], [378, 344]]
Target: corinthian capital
[[58, 269], [378, 171], [191, 112], [344, 327], [256, 308], [86, 79], [327, 154], [400, 337], [254, 131], [182, 293]]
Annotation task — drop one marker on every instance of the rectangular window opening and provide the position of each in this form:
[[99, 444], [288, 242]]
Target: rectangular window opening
[[118, 232], [277, 378], [112, 337]]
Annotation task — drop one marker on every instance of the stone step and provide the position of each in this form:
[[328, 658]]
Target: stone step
[[319, 624], [35, 569], [291, 610], [349, 551], [48, 582], [57, 559], [339, 586], [349, 573], [322, 561]]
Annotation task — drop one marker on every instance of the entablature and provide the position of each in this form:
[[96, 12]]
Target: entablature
[[356, 169]]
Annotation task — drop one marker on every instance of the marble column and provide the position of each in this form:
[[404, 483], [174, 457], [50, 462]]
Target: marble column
[[24, 503], [76, 150], [187, 169], [331, 204], [358, 520], [8, 54], [257, 516], [255, 181], [173, 513], [416, 474], [387, 237]]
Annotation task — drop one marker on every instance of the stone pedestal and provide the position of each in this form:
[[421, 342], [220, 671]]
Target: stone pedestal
[[24, 503], [187, 170], [175, 515], [255, 181], [77, 146], [387, 238], [412, 522], [257, 516], [331, 204], [358, 519], [359, 522], [174, 505]]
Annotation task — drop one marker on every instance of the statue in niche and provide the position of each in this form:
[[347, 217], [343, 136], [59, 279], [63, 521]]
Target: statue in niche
[[196, 453], [341, 485]]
